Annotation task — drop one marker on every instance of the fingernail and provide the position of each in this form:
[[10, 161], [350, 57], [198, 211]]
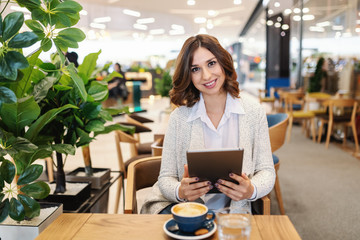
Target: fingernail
[[216, 185], [197, 179], [230, 174], [219, 181], [211, 187], [209, 183]]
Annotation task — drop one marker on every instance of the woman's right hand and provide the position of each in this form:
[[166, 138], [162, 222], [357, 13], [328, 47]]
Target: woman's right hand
[[191, 192]]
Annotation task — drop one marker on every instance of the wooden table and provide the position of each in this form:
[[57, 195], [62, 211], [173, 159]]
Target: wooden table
[[89, 226]]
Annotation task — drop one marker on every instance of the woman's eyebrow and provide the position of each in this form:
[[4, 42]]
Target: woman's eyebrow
[[206, 61]]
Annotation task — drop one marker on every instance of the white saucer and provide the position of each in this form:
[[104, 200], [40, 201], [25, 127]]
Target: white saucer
[[186, 236]]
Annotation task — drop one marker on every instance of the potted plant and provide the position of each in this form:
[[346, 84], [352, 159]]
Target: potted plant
[[315, 81]]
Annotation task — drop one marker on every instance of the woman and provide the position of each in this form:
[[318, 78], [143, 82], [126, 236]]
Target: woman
[[211, 114]]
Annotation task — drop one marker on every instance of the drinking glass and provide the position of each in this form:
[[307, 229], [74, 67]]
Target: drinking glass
[[234, 224]]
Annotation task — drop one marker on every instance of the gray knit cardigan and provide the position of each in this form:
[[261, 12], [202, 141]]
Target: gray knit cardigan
[[182, 135]]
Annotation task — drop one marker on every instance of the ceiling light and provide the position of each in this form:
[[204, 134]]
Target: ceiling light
[[279, 19], [285, 27], [316, 29], [145, 20], [306, 10], [213, 13], [287, 11], [308, 17], [102, 19], [83, 12], [337, 27], [357, 30], [237, 2], [209, 25], [202, 30], [270, 11], [277, 24], [112, 1], [191, 2], [157, 31], [200, 20], [98, 25], [296, 18], [19, 9], [176, 32], [140, 26], [265, 2], [323, 24], [276, 4], [131, 13], [297, 10], [269, 23], [177, 27]]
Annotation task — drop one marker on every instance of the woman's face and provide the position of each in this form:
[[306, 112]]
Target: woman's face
[[206, 73]]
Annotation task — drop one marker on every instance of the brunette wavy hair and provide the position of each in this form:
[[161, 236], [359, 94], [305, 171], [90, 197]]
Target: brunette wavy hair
[[184, 92]]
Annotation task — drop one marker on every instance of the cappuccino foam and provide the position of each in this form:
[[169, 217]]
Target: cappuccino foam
[[189, 210]]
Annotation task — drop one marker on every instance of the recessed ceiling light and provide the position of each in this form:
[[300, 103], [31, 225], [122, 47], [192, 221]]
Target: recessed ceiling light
[[306, 10], [270, 11], [98, 25], [191, 2], [276, 4], [296, 18], [316, 29], [277, 24], [308, 17], [140, 26], [269, 23], [176, 32], [145, 20], [285, 27], [337, 27], [102, 19], [237, 2], [213, 13], [177, 27], [157, 31], [297, 10], [83, 12], [131, 13], [287, 11], [202, 30], [200, 20]]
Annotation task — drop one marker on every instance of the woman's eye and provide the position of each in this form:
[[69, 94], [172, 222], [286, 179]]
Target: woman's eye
[[212, 63], [195, 69]]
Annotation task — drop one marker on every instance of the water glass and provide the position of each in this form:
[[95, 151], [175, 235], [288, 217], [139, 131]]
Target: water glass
[[235, 224]]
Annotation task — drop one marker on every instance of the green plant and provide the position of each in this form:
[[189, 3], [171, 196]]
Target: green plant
[[164, 84], [32, 100], [315, 81]]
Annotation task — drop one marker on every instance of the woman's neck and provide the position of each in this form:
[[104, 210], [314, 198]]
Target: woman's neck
[[215, 107]]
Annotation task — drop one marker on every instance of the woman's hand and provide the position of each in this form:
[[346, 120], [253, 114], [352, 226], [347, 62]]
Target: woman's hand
[[234, 191], [191, 192]]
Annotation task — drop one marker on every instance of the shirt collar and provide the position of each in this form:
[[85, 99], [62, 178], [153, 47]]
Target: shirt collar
[[233, 105]]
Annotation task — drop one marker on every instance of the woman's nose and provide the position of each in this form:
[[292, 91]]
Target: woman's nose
[[206, 73]]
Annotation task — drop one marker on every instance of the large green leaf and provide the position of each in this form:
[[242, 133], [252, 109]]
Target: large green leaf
[[46, 118], [110, 128], [6, 96], [10, 64], [23, 40], [35, 26], [23, 145], [25, 84], [105, 115], [38, 190], [68, 7], [84, 137], [64, 43], [29, 4], [98, 90], [46, 44], [30, 174], [12, 24], [17, 211], [95, 126], [77, 81], [64, 148], [20, 114], [89, 64], [31, 206], [4, 210], [8, 171], [91, 110], [73, 34], [41, 89]]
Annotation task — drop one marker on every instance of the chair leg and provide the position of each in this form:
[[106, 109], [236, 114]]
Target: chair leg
[[118, 192], [353, 126], [313, 132], [290, 127], [329, 132], [345, 134], [278, 193], [320, 131]]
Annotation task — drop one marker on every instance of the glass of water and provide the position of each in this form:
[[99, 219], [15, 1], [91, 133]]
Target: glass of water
[[234, 224]]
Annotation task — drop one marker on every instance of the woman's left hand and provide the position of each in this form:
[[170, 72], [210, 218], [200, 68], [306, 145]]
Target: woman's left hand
[[236, 192]]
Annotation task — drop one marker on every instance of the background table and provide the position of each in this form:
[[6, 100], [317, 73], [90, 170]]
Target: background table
[[133, 226]]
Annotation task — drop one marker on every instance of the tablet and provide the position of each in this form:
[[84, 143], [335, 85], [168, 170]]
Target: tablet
[[213, 164]]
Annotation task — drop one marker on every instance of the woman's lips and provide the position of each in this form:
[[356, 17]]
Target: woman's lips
[[210, 84]]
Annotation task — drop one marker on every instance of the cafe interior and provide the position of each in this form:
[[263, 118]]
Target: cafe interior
[[299, 59]]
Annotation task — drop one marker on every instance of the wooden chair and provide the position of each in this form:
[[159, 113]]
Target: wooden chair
[[144, 173], [341, 111], [143, 148], [264, 99], [297, 98], [157, 147], [123, 137], [277, 131]]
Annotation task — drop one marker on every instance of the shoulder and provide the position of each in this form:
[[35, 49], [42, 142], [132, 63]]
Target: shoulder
[[249, 102]]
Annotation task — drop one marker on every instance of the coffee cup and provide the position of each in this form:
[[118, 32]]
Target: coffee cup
[[191, 216]]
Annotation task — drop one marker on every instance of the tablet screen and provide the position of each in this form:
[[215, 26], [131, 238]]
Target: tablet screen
[[213, 164]]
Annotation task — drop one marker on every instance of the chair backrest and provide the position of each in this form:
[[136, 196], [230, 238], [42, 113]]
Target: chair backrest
[[138, 118], [157, 147], [277, 129], [343, 105], [142, 173], [123, 137], [139, 127], [293, 98]]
